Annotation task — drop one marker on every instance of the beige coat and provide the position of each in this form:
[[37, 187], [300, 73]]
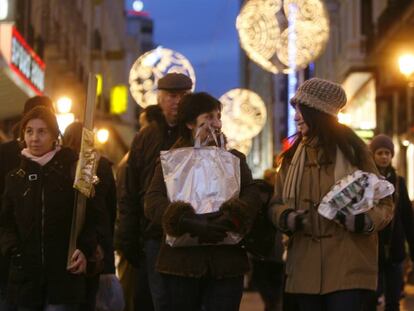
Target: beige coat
[[324, 257]]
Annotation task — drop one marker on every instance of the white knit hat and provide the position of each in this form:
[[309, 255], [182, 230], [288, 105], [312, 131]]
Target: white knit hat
[[320, 94]]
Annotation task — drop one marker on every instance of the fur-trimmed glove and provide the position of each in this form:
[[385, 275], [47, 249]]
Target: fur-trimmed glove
[[236, 216], [293, 220], [360, 223], [180, 218]]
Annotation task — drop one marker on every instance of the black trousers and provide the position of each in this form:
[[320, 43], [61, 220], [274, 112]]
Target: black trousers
[[345, 300]]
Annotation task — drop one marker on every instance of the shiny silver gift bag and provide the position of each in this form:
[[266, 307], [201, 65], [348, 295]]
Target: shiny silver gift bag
[[205, 177]]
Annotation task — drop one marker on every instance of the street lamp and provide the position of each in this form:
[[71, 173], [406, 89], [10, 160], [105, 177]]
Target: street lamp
[[406, 66], [102, 135], [64, 104], [63, 115]]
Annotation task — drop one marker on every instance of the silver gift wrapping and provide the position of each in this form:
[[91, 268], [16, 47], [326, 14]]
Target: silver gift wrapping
[[205, 177]]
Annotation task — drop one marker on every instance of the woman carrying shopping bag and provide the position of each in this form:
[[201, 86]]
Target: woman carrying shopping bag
[[207, 273], [35, 221], [331, 264]]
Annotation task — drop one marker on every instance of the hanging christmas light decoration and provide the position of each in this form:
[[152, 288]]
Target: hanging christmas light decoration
[[265, 26], [150, 67], [243, 114]]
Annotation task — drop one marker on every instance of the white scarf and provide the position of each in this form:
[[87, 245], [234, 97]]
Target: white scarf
[[42, 160], [291, 188]]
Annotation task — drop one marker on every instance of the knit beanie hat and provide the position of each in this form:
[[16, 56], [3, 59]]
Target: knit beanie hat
[[322, 95], [381, 141]]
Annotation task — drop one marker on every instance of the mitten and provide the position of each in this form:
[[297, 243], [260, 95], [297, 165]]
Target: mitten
[[236, 212], [293, 220], [360, 223]]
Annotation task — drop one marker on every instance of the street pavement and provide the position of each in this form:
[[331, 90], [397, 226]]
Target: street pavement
[[251, 301]]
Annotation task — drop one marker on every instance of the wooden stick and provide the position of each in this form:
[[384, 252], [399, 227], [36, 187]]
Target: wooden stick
[[79, 207]]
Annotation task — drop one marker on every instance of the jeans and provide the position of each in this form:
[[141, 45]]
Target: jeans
[[267, 278], [142, 299], [204, 294], [4, 305], [159, 293], [390, 281], [52, 308], [344, 300]]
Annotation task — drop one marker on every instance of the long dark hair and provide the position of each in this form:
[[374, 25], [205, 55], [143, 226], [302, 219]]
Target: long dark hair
[[331, 134]]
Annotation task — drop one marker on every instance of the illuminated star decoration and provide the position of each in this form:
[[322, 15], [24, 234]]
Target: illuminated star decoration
[[265, 26], [243, 116], [150, 67]]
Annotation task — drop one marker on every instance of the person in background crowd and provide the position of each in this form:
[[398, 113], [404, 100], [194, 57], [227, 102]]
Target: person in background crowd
[[127, 272], [36, 217], [9, 160], [202, 277], [268, 273], [72, 139], [393, 237], [152, 113], [331, 264], [137, 237]]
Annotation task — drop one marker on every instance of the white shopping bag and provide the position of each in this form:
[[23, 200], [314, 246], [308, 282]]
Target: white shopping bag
[[205, 177], [354, 194]]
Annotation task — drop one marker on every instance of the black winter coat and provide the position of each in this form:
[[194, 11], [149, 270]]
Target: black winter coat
[[9, 160], [36, 219], [202, 261], [392, 238], [107, 184]]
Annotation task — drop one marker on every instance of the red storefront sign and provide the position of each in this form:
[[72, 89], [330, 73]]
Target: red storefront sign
[[26, 63]]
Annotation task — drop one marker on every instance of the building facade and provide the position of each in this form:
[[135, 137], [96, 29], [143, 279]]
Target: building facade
[[75, 38], [367, 39]]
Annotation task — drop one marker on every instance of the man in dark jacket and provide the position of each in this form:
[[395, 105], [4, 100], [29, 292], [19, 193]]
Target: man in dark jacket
[[392, 238], [138, 238], [9, 160]]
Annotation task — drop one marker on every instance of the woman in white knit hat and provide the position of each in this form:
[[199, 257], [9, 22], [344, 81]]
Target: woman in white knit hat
[[331, 264]]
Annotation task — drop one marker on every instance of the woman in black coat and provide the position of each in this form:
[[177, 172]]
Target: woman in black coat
[[72, 138], [204, 277], [392, 238], [35, 221]]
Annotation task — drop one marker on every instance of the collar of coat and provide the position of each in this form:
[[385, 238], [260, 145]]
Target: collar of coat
[[62, 157]]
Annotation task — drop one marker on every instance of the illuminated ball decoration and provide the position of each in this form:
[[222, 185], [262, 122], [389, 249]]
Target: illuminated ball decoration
[[243, 146], [243, 114], [281, 36], [150, 67]]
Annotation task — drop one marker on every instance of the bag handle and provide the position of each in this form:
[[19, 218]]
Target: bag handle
[[197, 141]]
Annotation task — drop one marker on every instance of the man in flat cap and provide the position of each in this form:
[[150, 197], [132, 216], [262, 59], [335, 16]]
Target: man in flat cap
[[137, 238]]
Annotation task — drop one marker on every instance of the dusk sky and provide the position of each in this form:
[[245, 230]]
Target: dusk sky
[[203, 31]]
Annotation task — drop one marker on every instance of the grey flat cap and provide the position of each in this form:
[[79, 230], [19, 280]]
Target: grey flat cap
[[175, 82]]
